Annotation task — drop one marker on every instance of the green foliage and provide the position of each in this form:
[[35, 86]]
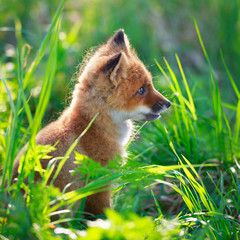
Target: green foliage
[[200, 135], [131, 227]]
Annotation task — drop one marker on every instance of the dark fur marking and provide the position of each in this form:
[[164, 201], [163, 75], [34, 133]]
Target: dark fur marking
[[111, 64], [118, 38]]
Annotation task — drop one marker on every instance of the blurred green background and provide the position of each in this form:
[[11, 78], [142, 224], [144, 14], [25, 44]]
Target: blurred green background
[[155, 29]]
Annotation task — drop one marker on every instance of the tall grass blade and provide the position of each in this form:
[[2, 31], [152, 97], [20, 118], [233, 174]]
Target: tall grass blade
[[13, 129], [230, 76], [157, 205], [13, 108], [237, 125], [201, 43], [191, 105], [47, 83], [43, 46], [230, 139]]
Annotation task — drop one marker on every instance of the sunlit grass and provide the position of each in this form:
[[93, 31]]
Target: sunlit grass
[[204, 214]]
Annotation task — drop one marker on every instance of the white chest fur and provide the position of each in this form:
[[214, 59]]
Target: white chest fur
[[125, 126]]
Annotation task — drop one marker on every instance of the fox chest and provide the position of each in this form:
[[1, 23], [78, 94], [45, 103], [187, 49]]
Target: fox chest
[[99, 149]]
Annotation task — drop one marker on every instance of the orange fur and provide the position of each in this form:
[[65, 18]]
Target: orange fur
[[115, 84]]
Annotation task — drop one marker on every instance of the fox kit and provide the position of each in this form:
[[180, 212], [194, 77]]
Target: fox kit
[[117, 85]]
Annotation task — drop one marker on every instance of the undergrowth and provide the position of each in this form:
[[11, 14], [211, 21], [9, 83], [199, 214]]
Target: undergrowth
[[202, 186]]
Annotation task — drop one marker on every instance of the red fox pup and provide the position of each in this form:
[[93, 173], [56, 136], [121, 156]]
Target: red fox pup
[[117, 85]]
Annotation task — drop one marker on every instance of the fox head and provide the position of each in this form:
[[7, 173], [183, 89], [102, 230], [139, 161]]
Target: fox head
[[116, 80]]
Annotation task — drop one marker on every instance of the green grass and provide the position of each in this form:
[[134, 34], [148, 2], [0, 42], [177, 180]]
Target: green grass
[[185, 156]]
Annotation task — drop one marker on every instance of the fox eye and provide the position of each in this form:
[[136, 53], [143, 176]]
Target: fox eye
[[141, 91]]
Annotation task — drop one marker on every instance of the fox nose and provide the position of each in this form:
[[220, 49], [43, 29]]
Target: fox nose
[[167, 104], [161, 105]]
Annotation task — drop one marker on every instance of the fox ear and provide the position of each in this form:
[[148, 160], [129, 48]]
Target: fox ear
[[119, 41], [116, 66]]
